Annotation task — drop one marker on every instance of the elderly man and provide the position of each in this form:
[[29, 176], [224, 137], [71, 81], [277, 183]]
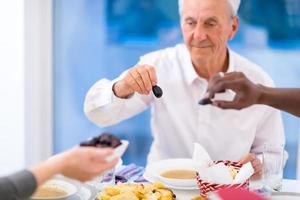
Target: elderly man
[[183, 72]]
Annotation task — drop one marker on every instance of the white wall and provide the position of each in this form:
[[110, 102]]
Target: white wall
[[38, 80], [11, 86], [25, 83]]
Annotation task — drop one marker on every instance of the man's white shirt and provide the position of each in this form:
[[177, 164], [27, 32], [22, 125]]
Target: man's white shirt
[[177, 120]]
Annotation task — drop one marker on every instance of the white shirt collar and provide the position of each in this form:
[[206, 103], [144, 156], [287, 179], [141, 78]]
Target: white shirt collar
[[189, 70], [231, 66]]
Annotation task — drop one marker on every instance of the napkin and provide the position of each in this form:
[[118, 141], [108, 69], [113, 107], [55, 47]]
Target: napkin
[[200, 157], [218, 173], [245, 173], [130, 173]]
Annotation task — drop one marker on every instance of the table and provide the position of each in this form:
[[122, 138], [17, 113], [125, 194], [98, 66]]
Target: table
[[288, 185]]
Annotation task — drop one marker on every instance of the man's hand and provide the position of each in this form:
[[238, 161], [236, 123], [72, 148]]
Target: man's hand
[[247, 93], [256, 164], [138, 79]]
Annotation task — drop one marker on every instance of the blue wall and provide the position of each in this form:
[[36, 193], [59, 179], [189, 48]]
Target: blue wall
[[83, 54]]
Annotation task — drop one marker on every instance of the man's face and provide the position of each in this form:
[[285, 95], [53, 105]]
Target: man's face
[[207, 25]]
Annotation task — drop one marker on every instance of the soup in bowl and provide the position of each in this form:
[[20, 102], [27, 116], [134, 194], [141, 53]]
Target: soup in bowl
[[175, 172], [179, 174], [55, 189]]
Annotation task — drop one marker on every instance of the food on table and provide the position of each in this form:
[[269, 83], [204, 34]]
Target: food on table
[[198, 198], [157, 91], [205, 101], [232, 171], [51, 192], [103, 140], [179, 174], [136, 191]]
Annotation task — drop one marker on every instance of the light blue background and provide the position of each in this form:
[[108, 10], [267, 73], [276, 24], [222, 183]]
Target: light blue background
[[83, 54]]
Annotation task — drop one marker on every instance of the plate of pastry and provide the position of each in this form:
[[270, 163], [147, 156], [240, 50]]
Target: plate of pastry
[[137, 191]]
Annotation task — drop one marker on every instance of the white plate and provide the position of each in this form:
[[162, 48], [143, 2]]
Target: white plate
[[70, 188], [285, 196], [153, 171], [86, 192], [120, 163], [118, 151]]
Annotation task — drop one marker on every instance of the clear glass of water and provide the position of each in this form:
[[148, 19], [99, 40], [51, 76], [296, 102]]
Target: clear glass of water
[[273, 161]]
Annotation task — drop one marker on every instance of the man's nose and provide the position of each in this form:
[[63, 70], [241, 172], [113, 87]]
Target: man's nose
[[199, 33]]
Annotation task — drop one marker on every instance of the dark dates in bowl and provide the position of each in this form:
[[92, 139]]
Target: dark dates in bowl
[[103, 140], [106, 140]]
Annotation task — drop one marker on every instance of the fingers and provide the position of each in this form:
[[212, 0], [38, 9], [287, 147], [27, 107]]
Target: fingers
[[84, 163], [222, 84], [136, 82], [212, 88], [109, 165], [219, 83], [248, 158], [152, 74], [99, 161], [227, 104], [101, 154], [97, 152], [148, 75], [85, 177], [216, 84], [256, 164], [141, 78], [100, 167]]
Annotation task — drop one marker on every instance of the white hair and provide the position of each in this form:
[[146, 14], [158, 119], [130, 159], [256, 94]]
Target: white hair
[[234, 6]]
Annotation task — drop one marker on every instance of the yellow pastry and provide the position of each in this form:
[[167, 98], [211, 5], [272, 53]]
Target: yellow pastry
[[137, 191], [233, 172]]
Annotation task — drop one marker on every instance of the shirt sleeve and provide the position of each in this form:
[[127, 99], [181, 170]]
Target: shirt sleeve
[[104, 108], [20, 185]]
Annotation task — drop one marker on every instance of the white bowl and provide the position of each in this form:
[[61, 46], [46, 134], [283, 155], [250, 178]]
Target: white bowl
[[118, 151], [178, 182], [174, 164], [68, 187]]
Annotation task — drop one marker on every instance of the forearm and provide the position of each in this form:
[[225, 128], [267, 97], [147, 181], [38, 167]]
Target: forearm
[[47, 169], [284, 99], [99, 105], [104, 108]]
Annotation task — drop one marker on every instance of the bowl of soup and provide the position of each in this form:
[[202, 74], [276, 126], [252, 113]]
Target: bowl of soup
[[55, 189], [179, 177], [175, 172]]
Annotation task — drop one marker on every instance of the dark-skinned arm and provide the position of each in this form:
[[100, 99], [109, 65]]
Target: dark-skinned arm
[[249, 93]]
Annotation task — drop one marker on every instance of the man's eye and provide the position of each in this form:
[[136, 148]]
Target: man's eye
[[191, 23], [211, 24]]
